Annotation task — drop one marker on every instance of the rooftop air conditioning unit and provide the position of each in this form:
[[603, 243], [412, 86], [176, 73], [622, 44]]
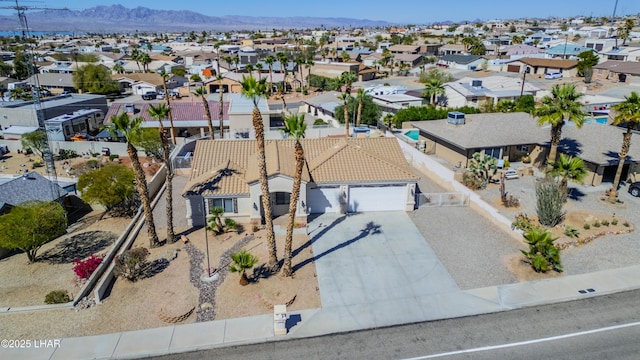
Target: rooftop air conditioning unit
[[455, 118]]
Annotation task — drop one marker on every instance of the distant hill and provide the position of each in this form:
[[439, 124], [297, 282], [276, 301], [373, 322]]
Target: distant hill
[[117, 18]]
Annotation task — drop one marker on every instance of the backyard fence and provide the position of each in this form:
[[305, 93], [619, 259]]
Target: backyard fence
[[443, 199]]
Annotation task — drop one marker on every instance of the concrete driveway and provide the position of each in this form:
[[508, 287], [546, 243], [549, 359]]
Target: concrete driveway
[[372, 257]]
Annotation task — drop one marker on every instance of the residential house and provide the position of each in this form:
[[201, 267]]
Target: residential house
[[57, 83], [452, 49], [510, 136], [462, 62], [24, 113], [391, 103], [521, 50], [140, 83], [232, 81], [627, 53], [410, 60], [404, 49], [341, 175], [601, 45], [472, 92], [619, 71], [566, 51], [540, 66]]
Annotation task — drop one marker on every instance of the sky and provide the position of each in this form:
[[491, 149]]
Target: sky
[[402, 12]]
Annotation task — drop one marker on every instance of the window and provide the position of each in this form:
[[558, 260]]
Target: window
[[282, 198], [227, 204], [493, 152], [522, 148]]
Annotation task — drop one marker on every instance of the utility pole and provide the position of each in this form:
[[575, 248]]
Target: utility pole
[[50, 167]]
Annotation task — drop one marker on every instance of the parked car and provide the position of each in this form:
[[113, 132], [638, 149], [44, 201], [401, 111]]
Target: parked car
[[511, 174], [634, 189], [553, 75], [149, 95]]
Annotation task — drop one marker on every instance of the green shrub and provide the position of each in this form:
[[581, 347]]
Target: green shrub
[[597, 224], [522, 222], [542, 254], [571, 232], [230, 224], [614, 222], [625, 224], [605, 222], [113, 156], [587, 226], [472, 181], [255, 228], [67, 154], [37, 164], [319, 122], [549, 198], [93, 164], [57, 297], [95, 154], [131, 263]]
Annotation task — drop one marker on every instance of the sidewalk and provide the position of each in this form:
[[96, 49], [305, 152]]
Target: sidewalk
[[315, 322]]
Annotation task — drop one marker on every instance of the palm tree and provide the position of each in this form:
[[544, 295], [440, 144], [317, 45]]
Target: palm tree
[[202, 92], [215, 221], [269, 61], [627, 112], [345, 101], [284, 61], [568, 168], [360, 97], [254, 90], [118, 68], [135, 56], [165, 76], [160, 112], [145, 60], [129, 128], [242, 261], [248, 68], [432, 89], [295, 128], [554, 110], [236, 62], [299, 62], [309, 64], [347, 79], [220, 106], [259, 70]]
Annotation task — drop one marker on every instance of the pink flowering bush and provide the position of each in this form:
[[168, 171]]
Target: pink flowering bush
[[84, 268]]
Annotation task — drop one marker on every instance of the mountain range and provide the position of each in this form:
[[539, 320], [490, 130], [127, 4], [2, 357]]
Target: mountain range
[[117, 18]]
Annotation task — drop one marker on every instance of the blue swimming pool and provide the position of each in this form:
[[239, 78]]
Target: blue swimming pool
[[412, 134], [600, 120]]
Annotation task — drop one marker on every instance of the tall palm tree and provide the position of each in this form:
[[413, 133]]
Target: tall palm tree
[[129, 128], [345, 101], [295, 128], [348, 78], [202, 92], [568, 168], [118, 68], [135, 56], [160, 112], [165, 76], [299, 62], [145, 60], [220, 106], [236, 62], [360, 97], [284, 62], [259, 70], [269, 60], [309, 64], [627, 112], [554, 110], [432, 89], [255, 90]]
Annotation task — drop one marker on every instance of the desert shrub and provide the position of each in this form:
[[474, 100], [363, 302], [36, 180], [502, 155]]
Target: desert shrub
[[605, 222], [319, 122], [597, 224], [37, 164], [84, 268], [522, 222], [67, 154], [614, 222], [57, 297], [132, 263], [542, 255], [549, 198], [113, 156], [230, 224], [472, 181], [255, 228], [93, 164], [587, 226], [95, 154], [625, 224], [571, 232]]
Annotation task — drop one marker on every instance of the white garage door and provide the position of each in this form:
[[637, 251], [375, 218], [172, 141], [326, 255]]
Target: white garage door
[[378, 198], [323, 200]]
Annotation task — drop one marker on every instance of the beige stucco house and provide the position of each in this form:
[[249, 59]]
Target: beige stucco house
[[340, 175]]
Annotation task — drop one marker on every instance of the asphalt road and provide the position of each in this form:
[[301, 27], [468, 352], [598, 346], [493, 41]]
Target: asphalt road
[[604, 327]]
